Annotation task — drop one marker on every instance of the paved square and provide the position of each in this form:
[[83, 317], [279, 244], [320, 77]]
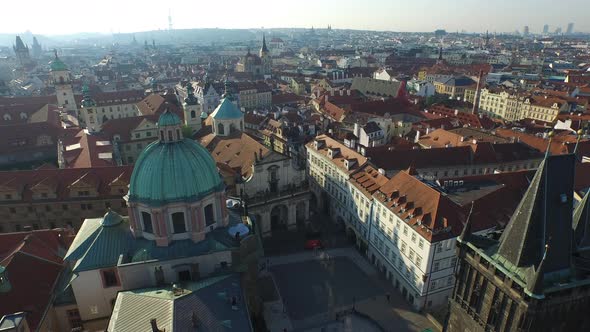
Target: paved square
[[312, 287]]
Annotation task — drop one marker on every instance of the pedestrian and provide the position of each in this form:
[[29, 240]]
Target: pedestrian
[[388, 297]]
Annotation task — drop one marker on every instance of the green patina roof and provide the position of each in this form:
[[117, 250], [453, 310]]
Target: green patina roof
[[204, 115], [174, 172], [57, 65], [227, 110], [98, 246], [169, 119], [111, 218]]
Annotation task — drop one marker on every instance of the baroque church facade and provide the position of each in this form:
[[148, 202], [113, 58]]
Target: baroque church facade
[[257, 65]]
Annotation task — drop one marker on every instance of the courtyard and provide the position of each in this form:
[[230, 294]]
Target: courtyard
[[324, 286], [320, 289]]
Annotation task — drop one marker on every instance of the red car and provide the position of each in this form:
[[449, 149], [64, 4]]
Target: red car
[[313, 244]]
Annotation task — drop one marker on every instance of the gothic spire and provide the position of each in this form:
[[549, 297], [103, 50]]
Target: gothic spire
[[541, 217], [581, 224], [263, 49]]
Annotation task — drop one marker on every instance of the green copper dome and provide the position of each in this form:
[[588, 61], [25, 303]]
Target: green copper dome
[[169, 119], [227, 110], [180, 171], [57, 65]]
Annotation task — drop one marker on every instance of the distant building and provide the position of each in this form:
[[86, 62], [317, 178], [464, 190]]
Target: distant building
[[36, 49], [545, 29], [51, 197], [570, 28], [258, 65], [525, 30], [62, 82], [22, 53]]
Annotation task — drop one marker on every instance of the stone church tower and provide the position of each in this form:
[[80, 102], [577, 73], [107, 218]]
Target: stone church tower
[[265, 58], [536, 276], [62, 81]]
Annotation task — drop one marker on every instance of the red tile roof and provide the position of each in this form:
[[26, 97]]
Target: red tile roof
[[435, 215], [102, 177], [87, 151], [33, 262]]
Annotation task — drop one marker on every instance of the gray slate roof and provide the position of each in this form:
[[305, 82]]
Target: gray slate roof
[[207, 301]]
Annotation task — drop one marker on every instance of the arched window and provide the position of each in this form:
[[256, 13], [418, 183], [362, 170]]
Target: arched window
[[178, 225], [193, 114], [7, 117], [170, 135], [146, 221], [209, 216], [61, 80], [23, 115], [161, 135], [220, 130], [178, 134]]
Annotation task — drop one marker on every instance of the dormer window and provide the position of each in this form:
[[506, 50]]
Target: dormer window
[[333, 152], [318, 144]]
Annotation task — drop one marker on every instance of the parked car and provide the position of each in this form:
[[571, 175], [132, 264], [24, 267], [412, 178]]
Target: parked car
[[313, 244]]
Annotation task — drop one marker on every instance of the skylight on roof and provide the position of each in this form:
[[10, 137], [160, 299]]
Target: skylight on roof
[[73, 147]]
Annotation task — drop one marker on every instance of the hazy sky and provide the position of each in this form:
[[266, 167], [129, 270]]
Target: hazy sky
[[68, 16]]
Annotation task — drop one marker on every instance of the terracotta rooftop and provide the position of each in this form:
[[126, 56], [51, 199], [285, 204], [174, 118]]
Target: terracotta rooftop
[[105, 179], [438, 213], [33, 262], [344, 154]]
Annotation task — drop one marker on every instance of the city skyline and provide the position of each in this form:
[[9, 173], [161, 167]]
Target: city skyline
[[135, 16]]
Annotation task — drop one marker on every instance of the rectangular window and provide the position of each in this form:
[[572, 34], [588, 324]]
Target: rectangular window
[[418, 260], [146, 220], [178, 224], [405, 230], [209, 215], [414, 237], [12, 210], [421, 243], [436, 266], [403, 250], [74, 318], [64, 207], [109, 278]]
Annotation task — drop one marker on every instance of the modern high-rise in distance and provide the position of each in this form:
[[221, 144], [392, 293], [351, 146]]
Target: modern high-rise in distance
[[525, 30], [570, 28], [545, 28]]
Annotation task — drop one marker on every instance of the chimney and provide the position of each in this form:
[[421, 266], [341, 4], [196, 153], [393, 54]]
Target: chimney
[[348, 92], [341, 93], [154, 325], [260, 154]]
